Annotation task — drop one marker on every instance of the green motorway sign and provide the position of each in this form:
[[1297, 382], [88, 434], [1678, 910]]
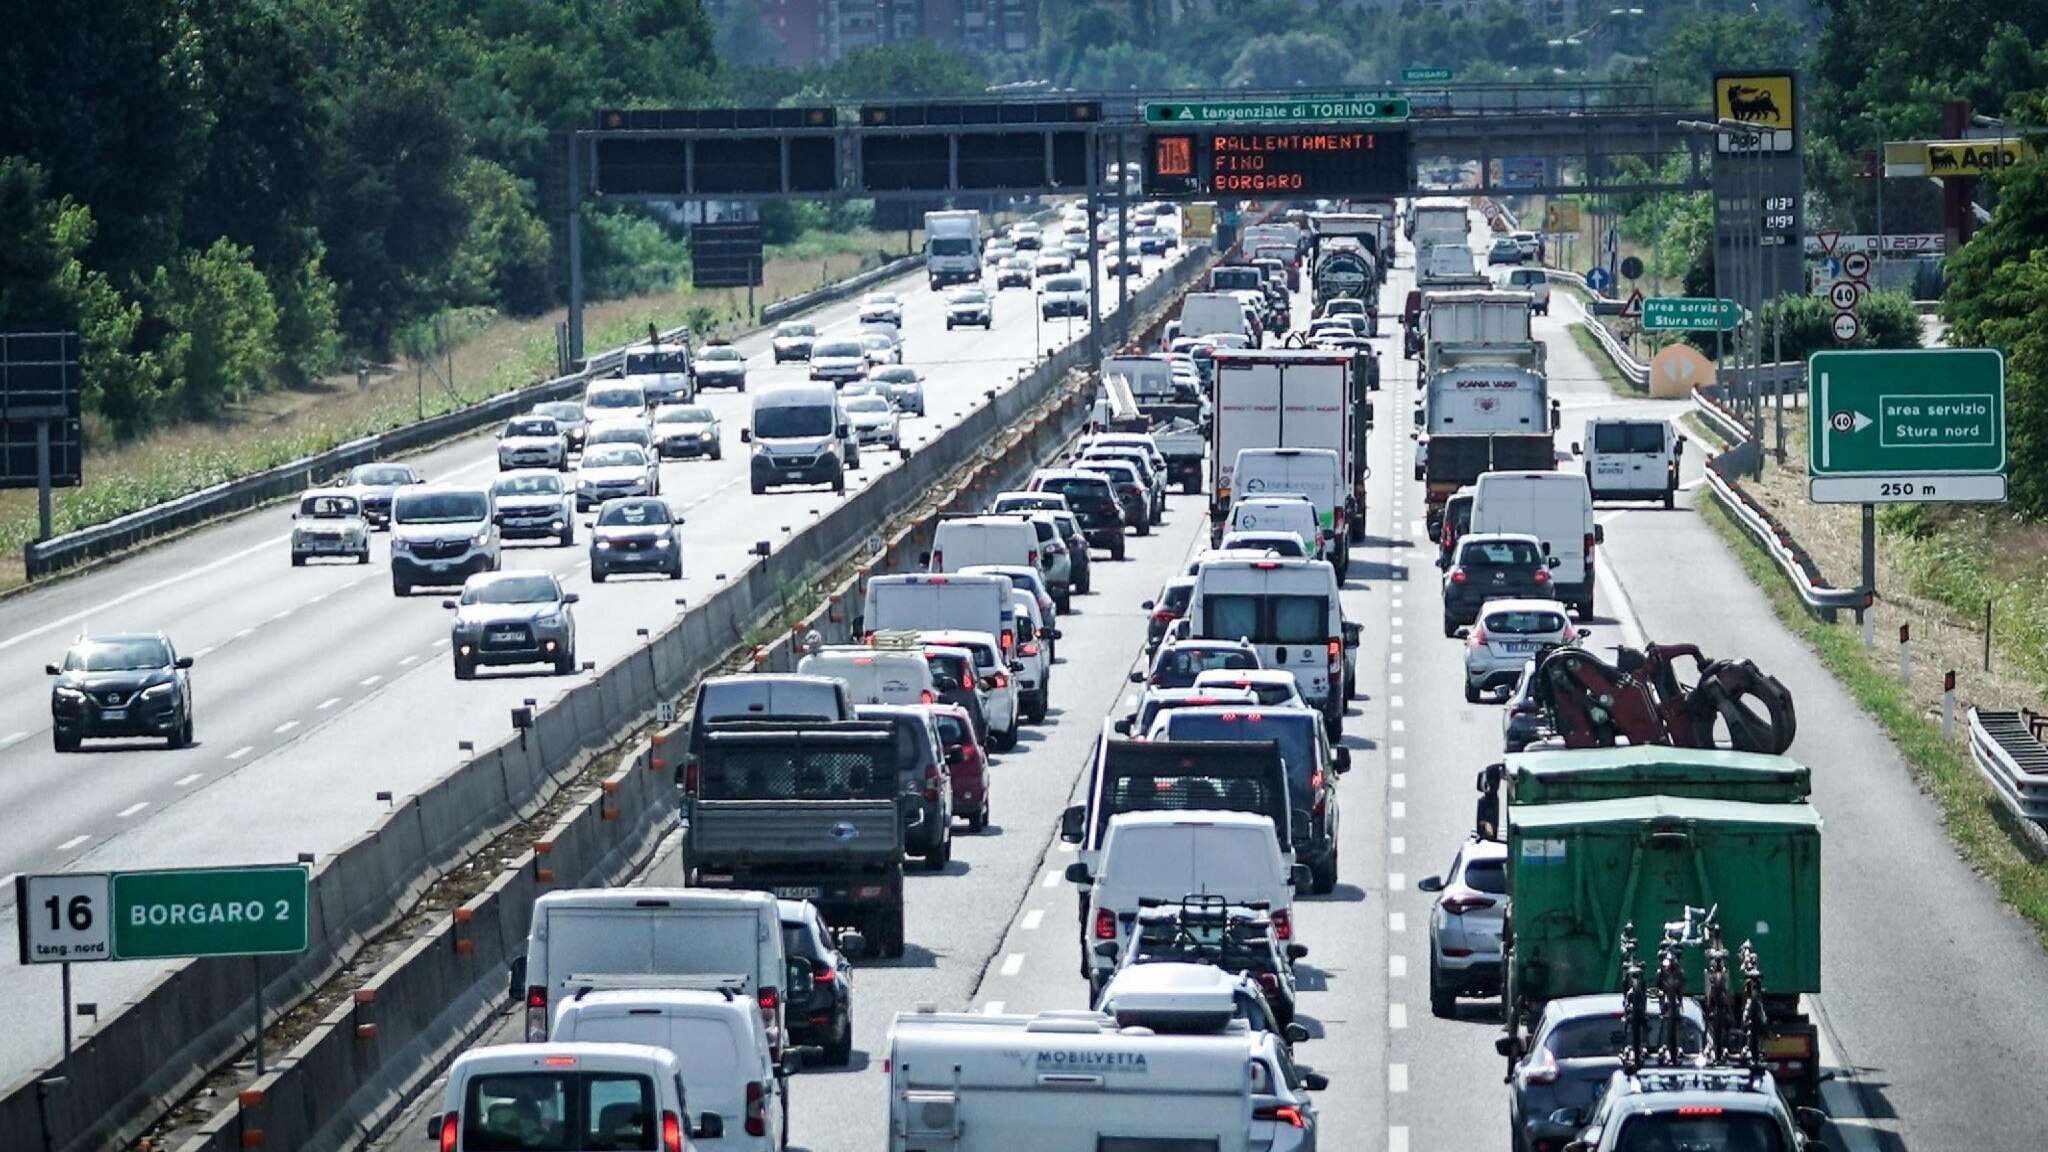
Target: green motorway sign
[[1689, 314], [256, 911], [1318, 110], [1923, 425], [1425, 75]]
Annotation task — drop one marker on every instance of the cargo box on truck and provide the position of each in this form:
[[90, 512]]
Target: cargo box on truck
[[1287, 399]]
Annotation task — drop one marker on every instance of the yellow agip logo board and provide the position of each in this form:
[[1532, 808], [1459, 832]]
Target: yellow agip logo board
[[1974, 157], [1766, 101]]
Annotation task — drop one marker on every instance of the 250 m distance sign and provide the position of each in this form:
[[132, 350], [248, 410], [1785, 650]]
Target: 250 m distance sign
[[80, 917]]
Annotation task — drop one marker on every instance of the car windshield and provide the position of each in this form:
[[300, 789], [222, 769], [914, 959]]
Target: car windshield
[[1017, 262], [537, 588], [528, 484], [633, 514], [720, 352], [328, 507], [793, 420], [379, 475], [1708, 1128], [560, 410], [797, 330], [896, 376], [441, 507], [868, 403], [877, 340], [118, 655], [615, 456], [532, 426], [1063, 284], [651, 363], [837, 348], [616, 398], [691, 415], [1519, 622], [970, 296], [1499, 553], [1592, 1037]]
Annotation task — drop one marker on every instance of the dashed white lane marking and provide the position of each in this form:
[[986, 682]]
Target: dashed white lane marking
[[1397, 726], [1397, 921], [1393, 677], [1398, 780], [281, 615], [369, 680], [1396, 620], [1397, 1077], [442, 642], [102, 609], [1397, 846], [285, 727], [316, 599], [74, 842], [1397, 1016], [410, 660], [992, 1008], [244, 750], [1013, 963], [1397, 603], [1052, 880], [330, 702], [1033, 919], [1393, 657], [1398, 752], [1397, 966], [1394, 702], [1397, 810], [1397, 881], [1397, 1138], [1063, 846], [185, 780], [131, 810], [1396, 639]]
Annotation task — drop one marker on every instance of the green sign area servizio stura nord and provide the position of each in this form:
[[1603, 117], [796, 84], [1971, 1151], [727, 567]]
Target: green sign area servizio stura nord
[[1912, 426], [256, 911], [1689, 314], [1317, 110]]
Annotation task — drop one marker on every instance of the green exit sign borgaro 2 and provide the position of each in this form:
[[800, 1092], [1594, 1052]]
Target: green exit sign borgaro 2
[[1910, 426], [254, 911], [1321, 110]]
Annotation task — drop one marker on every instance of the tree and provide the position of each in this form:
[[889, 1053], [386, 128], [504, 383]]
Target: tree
[[1310, 59], [505, 257], [905, 70], [219, 325]]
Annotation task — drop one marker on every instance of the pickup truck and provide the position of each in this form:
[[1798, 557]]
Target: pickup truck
[[807, 810], [1178, 434]]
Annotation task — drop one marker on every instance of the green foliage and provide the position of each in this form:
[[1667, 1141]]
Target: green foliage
[[506, 256], [911, 70], [1276, 61], [221, 324], [1806, 324], [629, 253], [308, 311]]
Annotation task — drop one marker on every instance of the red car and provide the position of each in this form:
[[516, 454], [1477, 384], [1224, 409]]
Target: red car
[[967, 763]]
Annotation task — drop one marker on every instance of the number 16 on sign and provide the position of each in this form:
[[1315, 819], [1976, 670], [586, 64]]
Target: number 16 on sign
[[62, 919]]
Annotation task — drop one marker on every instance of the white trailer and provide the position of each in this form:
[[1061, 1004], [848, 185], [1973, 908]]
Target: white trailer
[[952, 248]]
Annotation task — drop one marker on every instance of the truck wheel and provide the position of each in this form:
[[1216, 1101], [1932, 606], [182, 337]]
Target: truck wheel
[[1323, 880], [1670, 498], [892, 934], [1116, 550]]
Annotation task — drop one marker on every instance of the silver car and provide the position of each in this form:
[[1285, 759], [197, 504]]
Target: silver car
[[534, 505], [329, 524], [1465, 925], [838, 360], [969, 306], [881, 348], [874, 421], [721, 366], [512, 618], [688, 430], [1507, 635], [568, 416], [1572, 1051], [793, 340], [902, 385], [532, 442], [608, 471], [373, 485]]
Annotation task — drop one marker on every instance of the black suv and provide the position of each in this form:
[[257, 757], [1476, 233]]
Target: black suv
[[1494, 566], [125, 684], [1096, 506], [822, 1012]]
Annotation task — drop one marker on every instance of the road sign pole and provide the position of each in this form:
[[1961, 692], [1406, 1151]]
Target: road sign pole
[[575, 252], [64, 980], [256, 971], [1869, 551], [43, 484]]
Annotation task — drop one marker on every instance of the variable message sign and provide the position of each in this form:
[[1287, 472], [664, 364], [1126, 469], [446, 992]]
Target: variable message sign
[[1301, 163], [1911, 426]]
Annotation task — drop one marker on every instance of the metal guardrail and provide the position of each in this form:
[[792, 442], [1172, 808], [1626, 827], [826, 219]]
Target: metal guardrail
[[1999, 742]]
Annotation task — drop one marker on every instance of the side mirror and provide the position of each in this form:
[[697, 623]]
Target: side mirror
[[797, 972], [1147, 605], [1294, 1033], [1509, 1046], [1678, 449], [517, 981], [1137, 677], [924, 559], [1297, 951], [182, 662], [853, 944], [710, 1126], [945, 684], [1568, 1118], [1464, 631], [1122, 726], [1072, 822], [953, 755], [1552, 561], [1302, 878], [1314, 1081], [987, 683], [448, 604], [796, 1058], [746, 435], [1430, 884], [1341, 758], [1106, 949], [1812, 1122], [1583, 634], [1049, 633], [573, 598], [49, 670], [1077, 873], [845, 431], [1576, 450], [1599, 533], [1016, 665]]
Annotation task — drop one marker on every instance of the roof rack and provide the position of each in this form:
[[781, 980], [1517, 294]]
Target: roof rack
[[1738, 1028]]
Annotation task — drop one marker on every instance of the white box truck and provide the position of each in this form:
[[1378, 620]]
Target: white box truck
[[952, 248], [1439, 220], [1274, 398]]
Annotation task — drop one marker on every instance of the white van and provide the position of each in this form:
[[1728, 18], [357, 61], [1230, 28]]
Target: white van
[[1206, 313], [1165, 856], [1632, 459], [1557, 509], [569, 1098], [663, 371], [920, 601], [728, 938], [964, 541], [1034, 654], [614, 400], [1289, 513], [1291, 613], [874, 675], [717, 1039], [800, 435], [1312, 472], [961, 1082]]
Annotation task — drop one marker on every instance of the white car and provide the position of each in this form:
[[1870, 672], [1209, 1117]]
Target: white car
[[1534, 281], [881, 348], [874, 421], [608, 471], [721, 366], [881, 308], [1465, 925], [1508, 634], [1062, 295], [838, 360], [793, 340], [329, 523], [969, 306], [1275, 687], [532, 442], [1052, 262], [903, 386], [687, 430]]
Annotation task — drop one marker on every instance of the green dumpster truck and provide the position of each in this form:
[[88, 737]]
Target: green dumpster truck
[[1601, 838]]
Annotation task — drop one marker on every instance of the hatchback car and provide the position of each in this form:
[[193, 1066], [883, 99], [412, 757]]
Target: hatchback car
[[609, 471], [1493, 566], [903, 386], [1506, 636], [721, 366], [881, 308], [1505, 251], [966, 763], [1571, 1052], [821, 1011], [1685, 1108], [969, 306], [373, 486], [1014, 272], [329, 524], [636, 534], [1465, 925], [793, 340], [881, 348], [1522, 722], [921, 780], [1169, 605], [568, 416], [532, 442], [687, 430], [958, 684], [838, 360], [534, 505], [121, 684], [874, 421], [1178, 662], [512, 618]]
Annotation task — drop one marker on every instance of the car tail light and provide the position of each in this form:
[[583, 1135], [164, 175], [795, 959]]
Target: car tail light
[[868, 638], [824, 976], [1163, 616], [1590, 541], [769, 1000], [1002, 680], [536, 1013], [1543, 1072], [1336, 648], [449, 1132], [1031, 557], [1463, 904], [1008, 639], [1269, 981], [1105, 924], [1542, 576], [671, 1132], [938, 560], [1265, 565], [1030, 648], [1283, 925], [757, 1108], [1457, 575], [1478, 639], [1286, 1114], [1699, 1110]]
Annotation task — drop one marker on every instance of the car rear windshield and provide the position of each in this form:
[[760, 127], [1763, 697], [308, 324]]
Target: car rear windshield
[[328, 507], [534, 589], [1524, 623], [377, 474], [1487, 875], [559, 410], [960, 668], [1591, 1037], [952, 730], [538, 484], [1503, 553], [440, 507], [1191, 794], [1063, 284], [1267, 619], [1284, 543], [633, 514], [117, 656], [690, 414], [615, 456], [1177, 597], [570, 1111], [537, 426], [1700, 1128], [1079, 489], [796, 330], [1628, 438], [1179, 665]]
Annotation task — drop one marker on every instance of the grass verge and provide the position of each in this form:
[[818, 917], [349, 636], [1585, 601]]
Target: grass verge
[[1609, 374], [1983, 830]]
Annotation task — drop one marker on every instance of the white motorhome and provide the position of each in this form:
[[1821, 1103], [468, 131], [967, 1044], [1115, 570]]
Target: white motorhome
[[695, 935], [1632, 459], [800, 435], [962, 1082], [1557, 509], [518, 1095], [1290, 611]]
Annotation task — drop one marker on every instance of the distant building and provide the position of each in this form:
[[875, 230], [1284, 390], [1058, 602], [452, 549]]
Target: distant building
[[814, 31]]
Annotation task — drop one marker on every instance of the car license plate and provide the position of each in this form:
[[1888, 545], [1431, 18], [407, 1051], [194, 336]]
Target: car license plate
[[793, 474], [113, 713], [798, 891], [505, 637], [1518, 646]]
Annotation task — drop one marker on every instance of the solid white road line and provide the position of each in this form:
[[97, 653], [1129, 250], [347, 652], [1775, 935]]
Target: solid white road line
[[1033, 919], [74, 842], [243, 632], [1013, 964], [131, 810]]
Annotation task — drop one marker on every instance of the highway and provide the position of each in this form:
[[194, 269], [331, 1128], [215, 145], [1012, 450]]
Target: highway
[[1920, 1027], [316, 688]]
